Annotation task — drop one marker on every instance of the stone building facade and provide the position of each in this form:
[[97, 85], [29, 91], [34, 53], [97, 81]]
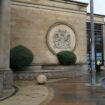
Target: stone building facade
[[46, 27], [34, 24]]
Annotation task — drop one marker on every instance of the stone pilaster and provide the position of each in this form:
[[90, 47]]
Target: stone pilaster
[[5, 43]]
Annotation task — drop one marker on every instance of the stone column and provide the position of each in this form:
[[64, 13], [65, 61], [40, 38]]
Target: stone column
[[5, 43]]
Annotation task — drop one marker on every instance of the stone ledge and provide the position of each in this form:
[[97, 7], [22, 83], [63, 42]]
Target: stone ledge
[[60, 67]]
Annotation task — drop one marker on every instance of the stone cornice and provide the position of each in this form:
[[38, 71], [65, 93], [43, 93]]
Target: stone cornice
[[77, 6], [46, 7], [70, 1]]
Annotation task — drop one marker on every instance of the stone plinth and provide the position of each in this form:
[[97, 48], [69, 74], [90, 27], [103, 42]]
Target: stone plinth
[[53, 72], [1, 84], [8, 79]]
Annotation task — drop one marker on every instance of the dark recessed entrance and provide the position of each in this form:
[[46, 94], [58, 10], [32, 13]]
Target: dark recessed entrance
[[98, 31]]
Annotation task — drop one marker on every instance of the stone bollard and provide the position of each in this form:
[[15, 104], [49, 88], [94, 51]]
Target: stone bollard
[[41, 79], [1, 84]]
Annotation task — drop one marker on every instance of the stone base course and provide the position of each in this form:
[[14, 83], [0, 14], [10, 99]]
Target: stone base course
[[52, 72]]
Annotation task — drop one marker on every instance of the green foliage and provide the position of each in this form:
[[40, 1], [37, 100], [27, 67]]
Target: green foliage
[[20, 57], [66, 58]]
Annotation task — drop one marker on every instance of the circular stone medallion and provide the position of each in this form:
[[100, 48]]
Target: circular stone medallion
[[61, 38]]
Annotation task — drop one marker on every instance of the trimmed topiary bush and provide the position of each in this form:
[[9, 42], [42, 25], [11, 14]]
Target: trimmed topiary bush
[[66, 58], [20, 57]]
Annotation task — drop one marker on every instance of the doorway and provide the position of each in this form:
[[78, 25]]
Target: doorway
[[98, 32]]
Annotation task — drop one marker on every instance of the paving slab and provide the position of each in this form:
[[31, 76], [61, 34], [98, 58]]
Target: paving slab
[[29, 94], [75, 92]]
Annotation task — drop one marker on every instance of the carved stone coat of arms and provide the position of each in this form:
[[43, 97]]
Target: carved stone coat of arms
[[62, 39]]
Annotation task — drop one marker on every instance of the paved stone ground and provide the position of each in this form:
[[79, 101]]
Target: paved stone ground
[[29, 94], [6, 93], [74, 91]]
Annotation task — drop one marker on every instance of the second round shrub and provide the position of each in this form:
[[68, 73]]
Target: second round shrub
[[66, 58]]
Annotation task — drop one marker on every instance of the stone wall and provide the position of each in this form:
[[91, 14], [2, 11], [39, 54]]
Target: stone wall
[[31, 21]]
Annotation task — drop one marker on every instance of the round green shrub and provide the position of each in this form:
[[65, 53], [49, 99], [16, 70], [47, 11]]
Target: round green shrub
[[20, 57], [66, 58]]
